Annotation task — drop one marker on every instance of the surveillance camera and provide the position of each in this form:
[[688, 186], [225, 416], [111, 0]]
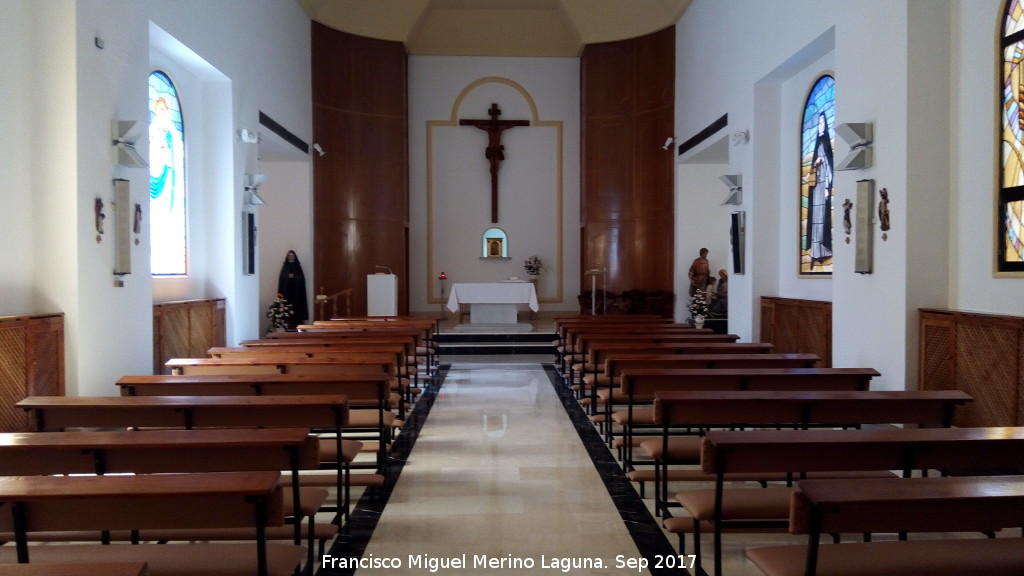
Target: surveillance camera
[[668, 142], [319, 150]]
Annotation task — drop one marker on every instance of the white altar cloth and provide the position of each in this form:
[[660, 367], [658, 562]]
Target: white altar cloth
[[483, 296]]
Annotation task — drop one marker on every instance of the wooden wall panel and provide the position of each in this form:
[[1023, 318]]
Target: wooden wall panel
[[361, 186], [981, 354], [31, 364], [798, 326], [186, 329], [627, 199]]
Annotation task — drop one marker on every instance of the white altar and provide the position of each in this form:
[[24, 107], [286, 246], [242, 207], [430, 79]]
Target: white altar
[[493, 302]]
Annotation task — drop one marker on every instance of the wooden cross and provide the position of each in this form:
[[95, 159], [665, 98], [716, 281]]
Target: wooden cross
[[495, 150]]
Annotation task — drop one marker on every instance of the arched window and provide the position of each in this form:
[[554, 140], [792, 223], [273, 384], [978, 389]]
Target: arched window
[[818, 131], [166, 178], [1010, 214]]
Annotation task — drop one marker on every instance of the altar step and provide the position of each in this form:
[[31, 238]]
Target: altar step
[[496, 344]]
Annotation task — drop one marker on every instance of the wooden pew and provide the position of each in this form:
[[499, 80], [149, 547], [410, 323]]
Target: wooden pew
[[52, 413], [704, 409], [162, 501], [406, 382], [564, 325], [177, 451], [75, 569], [591, 345], [369, 416], [943, 504], [360, 364], [806, 451], [615, 364], [639, 387], [367, 363], [424, 327], [418, 345]]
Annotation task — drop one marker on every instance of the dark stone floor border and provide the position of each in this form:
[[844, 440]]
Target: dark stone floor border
[[356, 533], [650, 539]]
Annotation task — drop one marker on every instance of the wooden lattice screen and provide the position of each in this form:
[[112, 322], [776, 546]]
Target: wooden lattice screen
[[981, 354], [798, 326], [31, 364], [186, 329]]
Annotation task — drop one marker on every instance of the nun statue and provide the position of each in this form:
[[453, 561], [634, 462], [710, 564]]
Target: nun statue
[[291, 284]]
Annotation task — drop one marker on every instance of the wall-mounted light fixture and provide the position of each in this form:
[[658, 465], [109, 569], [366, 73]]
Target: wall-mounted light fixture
[[735, 184], [252, 186], [123, 134], [860, 137]]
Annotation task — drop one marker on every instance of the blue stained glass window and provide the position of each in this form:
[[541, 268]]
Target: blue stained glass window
[[166, 178], [817, 166]]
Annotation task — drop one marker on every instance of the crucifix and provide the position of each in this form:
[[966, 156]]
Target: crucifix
[[495, 150]]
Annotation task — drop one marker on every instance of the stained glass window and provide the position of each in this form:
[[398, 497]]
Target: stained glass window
[[1011, 191], [166, 178], [818, 132]]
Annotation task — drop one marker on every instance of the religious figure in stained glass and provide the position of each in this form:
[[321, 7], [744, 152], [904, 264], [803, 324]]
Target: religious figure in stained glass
[[817, 169], [1009, 257], [166, 177]]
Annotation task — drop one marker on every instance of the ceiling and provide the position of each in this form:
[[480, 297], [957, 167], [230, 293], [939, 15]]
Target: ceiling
[[525, 28]]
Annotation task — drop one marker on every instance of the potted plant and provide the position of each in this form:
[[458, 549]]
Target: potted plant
[[533, 266], [698, 308], [280, 313]]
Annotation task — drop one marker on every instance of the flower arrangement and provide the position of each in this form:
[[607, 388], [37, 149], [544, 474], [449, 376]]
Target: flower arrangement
[[533, 266], [280, 312], [699, 305]]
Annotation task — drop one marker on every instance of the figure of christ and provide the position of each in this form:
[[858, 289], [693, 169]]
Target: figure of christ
[[495, 151]]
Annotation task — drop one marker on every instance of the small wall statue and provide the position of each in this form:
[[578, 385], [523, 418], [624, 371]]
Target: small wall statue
[[847, 223], [883, 212], [100, 217]]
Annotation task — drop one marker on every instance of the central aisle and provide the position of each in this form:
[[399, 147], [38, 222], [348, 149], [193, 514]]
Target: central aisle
[[498, 470]]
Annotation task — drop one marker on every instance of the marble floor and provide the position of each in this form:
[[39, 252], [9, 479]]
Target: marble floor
[[499, 467]]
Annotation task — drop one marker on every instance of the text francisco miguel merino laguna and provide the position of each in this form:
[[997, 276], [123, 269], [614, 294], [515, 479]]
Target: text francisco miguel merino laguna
[[478, 561]]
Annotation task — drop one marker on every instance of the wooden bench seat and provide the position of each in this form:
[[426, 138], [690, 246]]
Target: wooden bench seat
[[75, 569], [369, 418], [231, 499], [616, 364], [590, 347], [942, 504], [181, 451], [799, 451], [639, 388], [789, 409], [314, 412]]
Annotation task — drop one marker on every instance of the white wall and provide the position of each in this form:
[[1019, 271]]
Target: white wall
[[922, 72], [285, 224], [450, 211], [62, 91], [17, 266], [701, 222]]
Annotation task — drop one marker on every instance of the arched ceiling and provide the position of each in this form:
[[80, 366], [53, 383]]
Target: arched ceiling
[[536, 28]]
